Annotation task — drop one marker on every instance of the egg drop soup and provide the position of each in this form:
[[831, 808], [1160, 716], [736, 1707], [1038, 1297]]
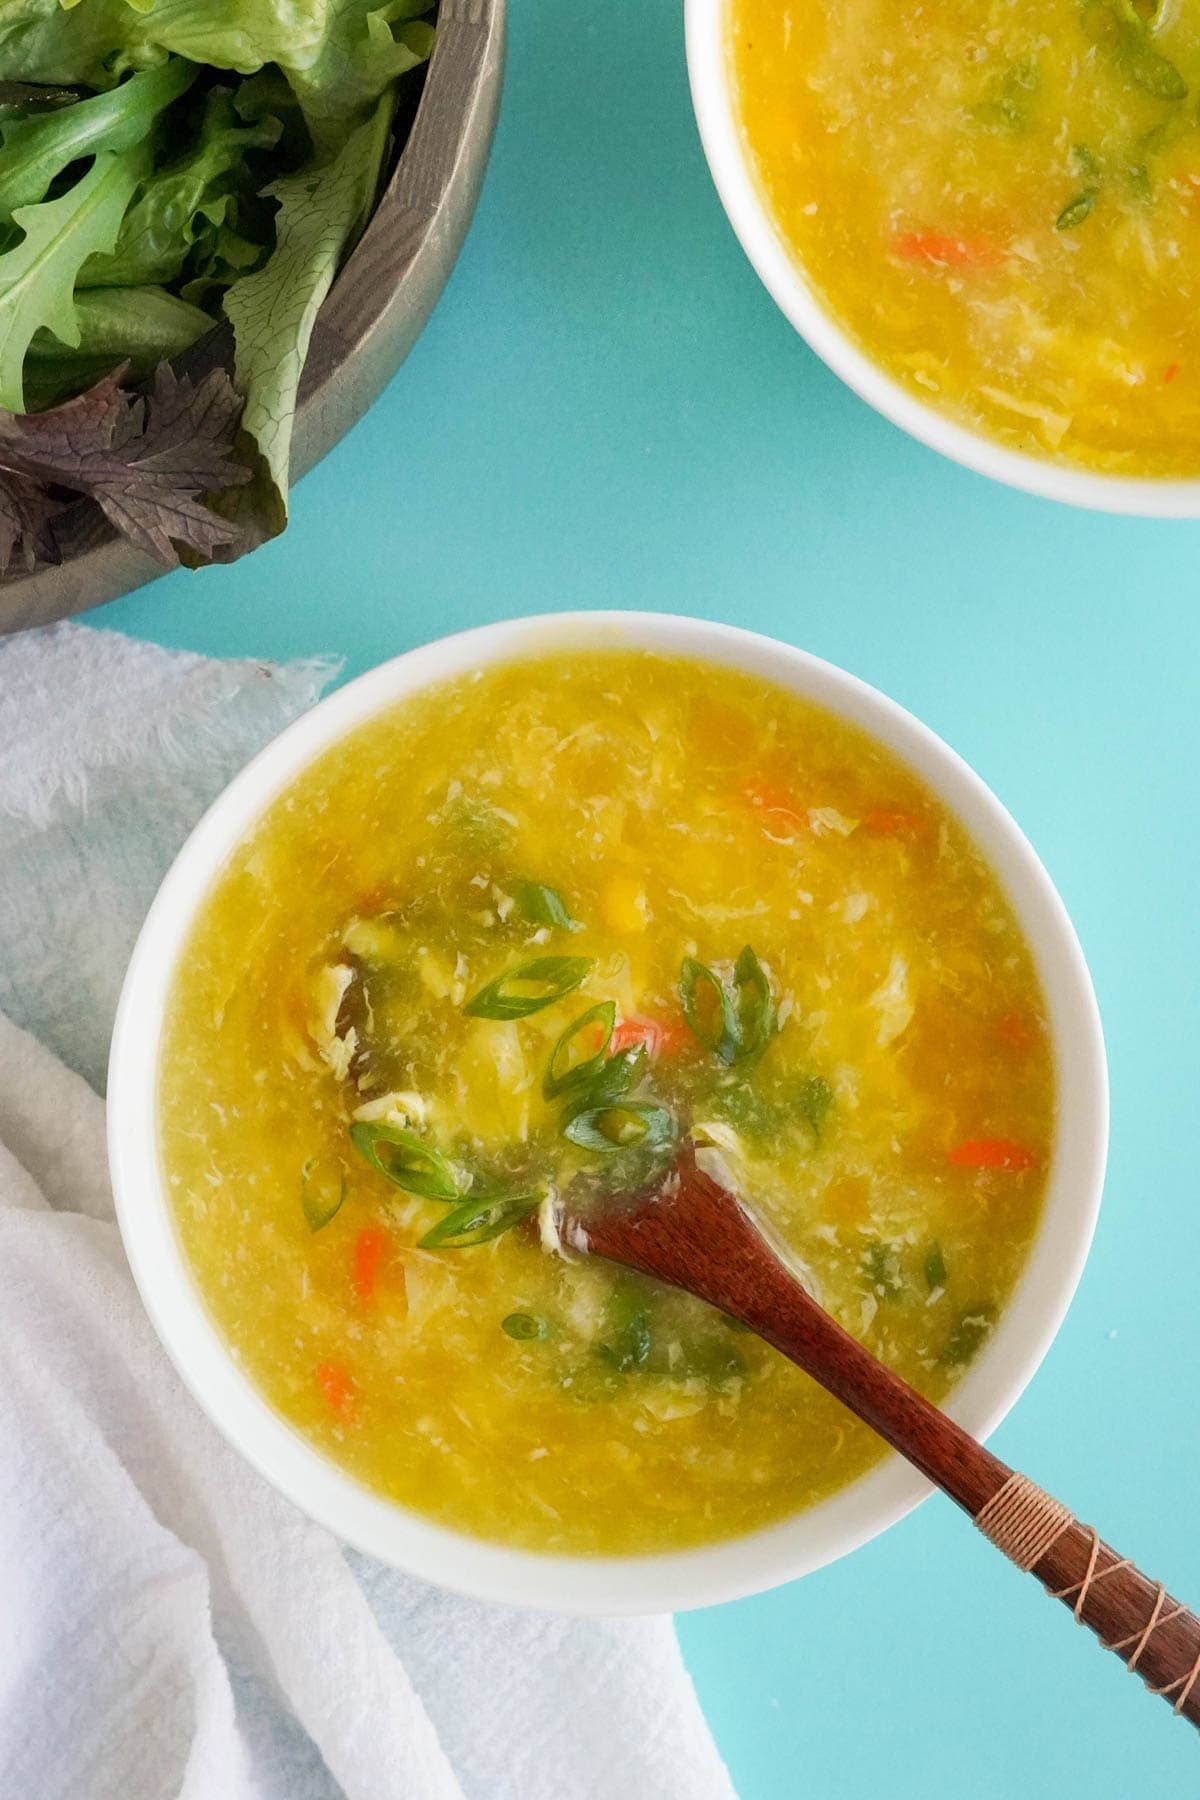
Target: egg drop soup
[[1000, 202], [547, 922]]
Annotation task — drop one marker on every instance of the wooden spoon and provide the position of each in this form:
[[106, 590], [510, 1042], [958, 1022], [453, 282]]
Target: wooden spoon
[[688, 1230]]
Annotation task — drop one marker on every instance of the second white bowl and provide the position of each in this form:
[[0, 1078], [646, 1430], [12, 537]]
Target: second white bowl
[[714, 96]]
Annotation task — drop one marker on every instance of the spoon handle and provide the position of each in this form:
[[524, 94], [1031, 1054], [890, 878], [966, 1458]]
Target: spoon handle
[[698, 1236]]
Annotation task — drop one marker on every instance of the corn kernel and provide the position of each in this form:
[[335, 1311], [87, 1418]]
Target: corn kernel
[[624, 904]]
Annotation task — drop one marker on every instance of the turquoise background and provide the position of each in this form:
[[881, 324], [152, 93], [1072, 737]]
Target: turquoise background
[[607, 410]]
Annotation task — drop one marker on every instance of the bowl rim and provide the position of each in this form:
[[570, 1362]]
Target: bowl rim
[[490, 1571], [712, 80]]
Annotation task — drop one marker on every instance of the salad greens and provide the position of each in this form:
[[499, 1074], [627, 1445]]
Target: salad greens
[[166, 165]]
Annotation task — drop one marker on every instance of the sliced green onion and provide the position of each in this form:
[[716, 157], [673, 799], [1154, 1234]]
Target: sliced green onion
[[754, 1005], [708, 1009], [543, 906], [529, 987], [1076, 210], [524, 1326], [617, 1076], [880, 1267], [632, 1124], [813, 1101], [935, 1268], [322, 1190], [563, 1074], [1151, 71], [735, 1026], [405, 1160], [746, 1110], [968, 1332], [477, 1220], [630, 1348]]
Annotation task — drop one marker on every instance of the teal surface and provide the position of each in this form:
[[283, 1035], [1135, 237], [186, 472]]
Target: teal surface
[[606, 410]]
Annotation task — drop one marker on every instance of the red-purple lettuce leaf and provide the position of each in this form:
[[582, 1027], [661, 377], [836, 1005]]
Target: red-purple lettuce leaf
[[145, 459]]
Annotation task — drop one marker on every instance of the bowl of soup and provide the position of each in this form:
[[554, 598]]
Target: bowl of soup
[[986, 221], [527, 907]]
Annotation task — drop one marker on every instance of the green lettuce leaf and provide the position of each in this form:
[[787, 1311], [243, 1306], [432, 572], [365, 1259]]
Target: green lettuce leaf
[[338, 55], [183, 201], [95, 40], [365, 47], [37, 276], [272, 310], [92, 43], [36, 150], [135, 326]]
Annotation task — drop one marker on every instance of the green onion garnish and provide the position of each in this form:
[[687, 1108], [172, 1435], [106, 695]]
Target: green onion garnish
[[734, 1026], [322, 1190], [1076, 210], [632, 1124], [543, 906], [968, 1333], [813, 1101], [617, 1076], [935, 1268], [708, 1009], [524, 1326], [755, 1008], [1151, 71], [563, 1074], [529, 987], [477, 1220], [630, 1349], [405, 1160], [880, 1267]]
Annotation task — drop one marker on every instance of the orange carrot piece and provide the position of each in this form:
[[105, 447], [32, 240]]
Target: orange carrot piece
[[369, 1247], [662, 1037], [948, 251], [993, 1153], [338, 1387], [1170, 372]]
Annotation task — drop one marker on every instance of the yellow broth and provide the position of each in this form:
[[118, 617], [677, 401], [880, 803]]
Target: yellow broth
[[894, 1120], [1001, 203]]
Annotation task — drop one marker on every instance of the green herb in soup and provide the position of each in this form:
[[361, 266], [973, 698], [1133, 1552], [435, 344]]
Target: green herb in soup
[[391, 1047]]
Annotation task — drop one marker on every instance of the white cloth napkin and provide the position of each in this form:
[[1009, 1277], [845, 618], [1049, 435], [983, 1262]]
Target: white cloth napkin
[[169, 1625]]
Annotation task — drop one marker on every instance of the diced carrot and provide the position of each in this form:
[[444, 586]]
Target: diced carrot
[[1170, 372], [993, 1153], [369, 1247], [949, 251], [662, 1037], [1015, 1030], [778, 806], [894, 824], [338, 1387]]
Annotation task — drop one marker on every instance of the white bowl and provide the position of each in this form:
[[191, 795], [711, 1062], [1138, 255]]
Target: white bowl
[[599, 1584], [714, 96]]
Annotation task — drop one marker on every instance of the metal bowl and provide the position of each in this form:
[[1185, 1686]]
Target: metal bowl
[[371, 319]]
